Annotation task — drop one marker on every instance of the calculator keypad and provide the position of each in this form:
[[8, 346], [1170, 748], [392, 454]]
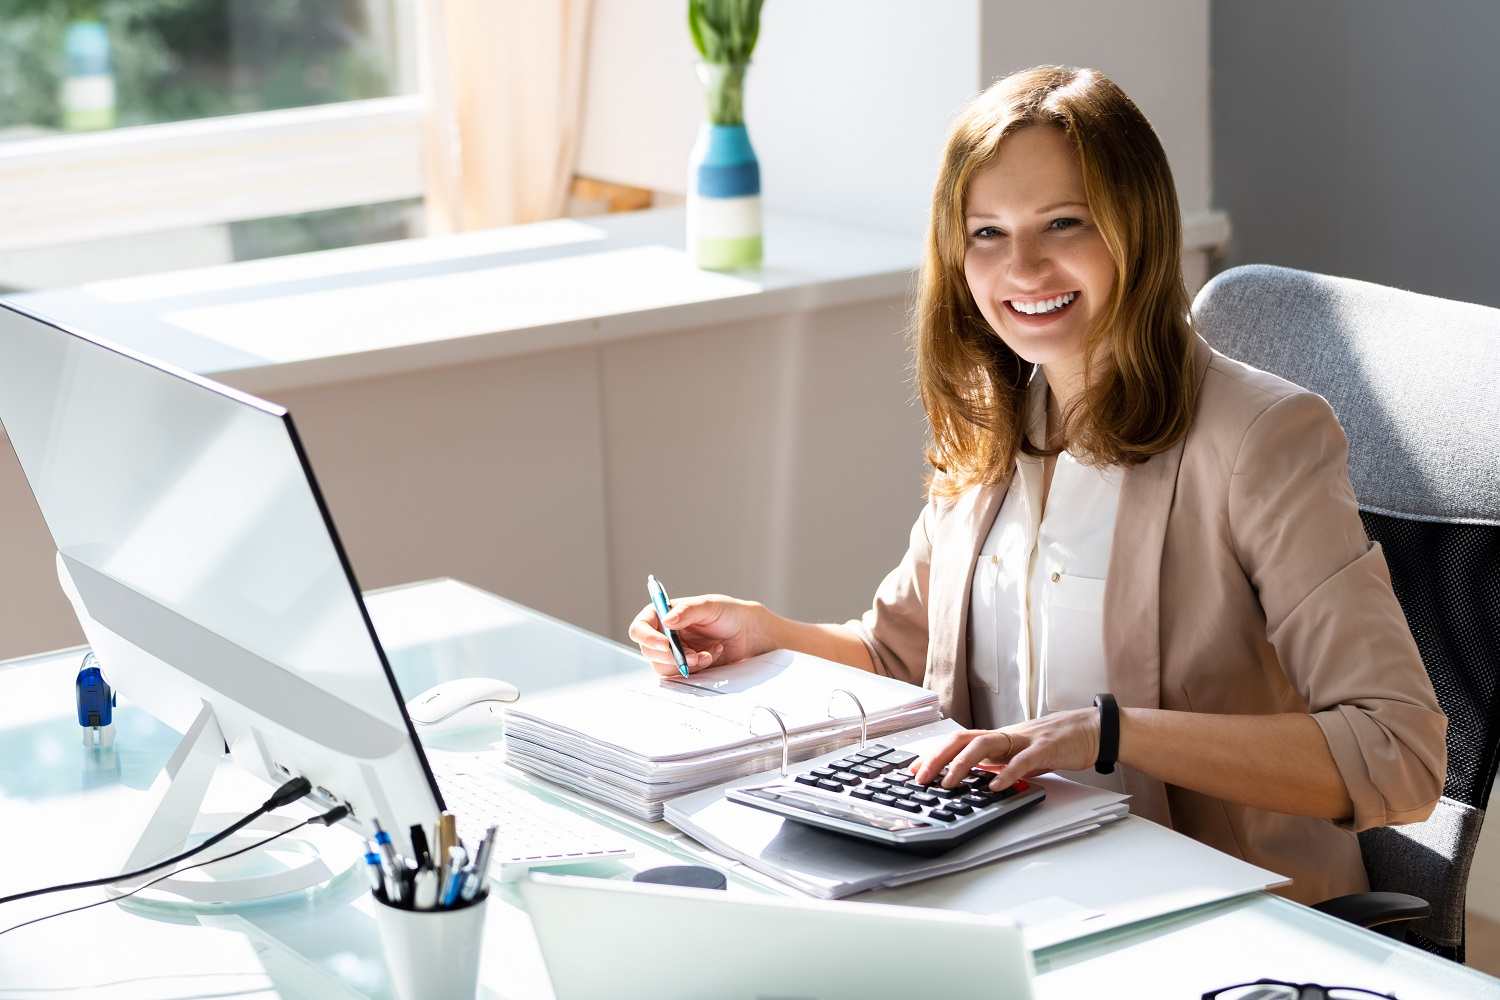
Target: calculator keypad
[[879, 774]]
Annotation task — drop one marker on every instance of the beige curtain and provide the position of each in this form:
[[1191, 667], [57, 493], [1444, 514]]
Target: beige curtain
[[504, 83]]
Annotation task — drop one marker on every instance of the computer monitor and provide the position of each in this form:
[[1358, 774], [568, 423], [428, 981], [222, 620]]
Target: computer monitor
[[204, 566]]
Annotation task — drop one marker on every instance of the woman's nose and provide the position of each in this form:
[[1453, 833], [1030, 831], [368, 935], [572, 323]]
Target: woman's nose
[[1028, 257]]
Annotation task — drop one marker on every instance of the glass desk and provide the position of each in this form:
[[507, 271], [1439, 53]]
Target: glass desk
[[69, 812]]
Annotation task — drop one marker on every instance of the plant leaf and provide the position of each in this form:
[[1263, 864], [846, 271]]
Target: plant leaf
[[724, 30]]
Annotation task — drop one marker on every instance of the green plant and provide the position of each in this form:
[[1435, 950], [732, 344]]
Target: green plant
[[724, 32]]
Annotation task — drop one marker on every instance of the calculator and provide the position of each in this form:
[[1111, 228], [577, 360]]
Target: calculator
[[870, 794]]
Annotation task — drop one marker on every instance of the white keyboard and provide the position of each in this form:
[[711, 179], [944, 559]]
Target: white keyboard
[[532, 833]]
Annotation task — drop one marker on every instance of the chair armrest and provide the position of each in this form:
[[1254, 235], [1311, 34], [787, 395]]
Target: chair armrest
[[1373, 909]]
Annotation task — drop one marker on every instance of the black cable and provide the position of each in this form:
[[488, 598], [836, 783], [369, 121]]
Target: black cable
[[290, 792], [329, 818]]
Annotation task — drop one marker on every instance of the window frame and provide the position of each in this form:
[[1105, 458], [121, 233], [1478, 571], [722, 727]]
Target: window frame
[[64, 189]]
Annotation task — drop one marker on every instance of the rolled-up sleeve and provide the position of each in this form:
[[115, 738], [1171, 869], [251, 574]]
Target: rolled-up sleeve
[[1331, 614], [894, 630]]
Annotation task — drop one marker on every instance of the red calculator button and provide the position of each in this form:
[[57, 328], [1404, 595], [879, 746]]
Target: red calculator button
[[1021, 786]]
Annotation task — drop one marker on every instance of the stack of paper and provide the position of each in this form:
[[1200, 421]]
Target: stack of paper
[[831, 866], [635, 741]]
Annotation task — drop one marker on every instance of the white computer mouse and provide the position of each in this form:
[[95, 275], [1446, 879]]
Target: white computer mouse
[[462, 704]]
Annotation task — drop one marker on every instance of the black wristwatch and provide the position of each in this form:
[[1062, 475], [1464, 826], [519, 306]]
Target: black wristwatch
[[1109, 733]]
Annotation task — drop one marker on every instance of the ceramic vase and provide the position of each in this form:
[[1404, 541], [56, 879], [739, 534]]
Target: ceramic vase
[[723, 183]]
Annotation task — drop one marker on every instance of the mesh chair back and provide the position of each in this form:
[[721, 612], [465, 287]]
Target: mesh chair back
[[1415, 381]]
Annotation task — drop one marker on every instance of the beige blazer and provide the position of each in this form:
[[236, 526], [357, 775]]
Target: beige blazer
[[1240, 582]]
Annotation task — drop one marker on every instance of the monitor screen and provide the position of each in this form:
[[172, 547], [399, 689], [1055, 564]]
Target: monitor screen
[[193, 529]]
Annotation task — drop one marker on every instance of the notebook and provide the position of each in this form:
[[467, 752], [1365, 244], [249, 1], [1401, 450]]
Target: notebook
[[634, 741]]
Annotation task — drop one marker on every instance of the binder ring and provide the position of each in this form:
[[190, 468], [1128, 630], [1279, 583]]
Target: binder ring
[[863, 719], [785, 740]]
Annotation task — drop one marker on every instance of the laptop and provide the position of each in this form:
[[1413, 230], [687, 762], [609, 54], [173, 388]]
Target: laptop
[[607, 938]]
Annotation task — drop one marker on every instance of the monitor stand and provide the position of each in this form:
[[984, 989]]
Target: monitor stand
[[256, 875]]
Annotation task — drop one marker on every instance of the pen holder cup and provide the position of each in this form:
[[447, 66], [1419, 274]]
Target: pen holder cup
[[433, 954]]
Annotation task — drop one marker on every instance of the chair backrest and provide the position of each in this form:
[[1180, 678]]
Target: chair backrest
[[1415, 382]]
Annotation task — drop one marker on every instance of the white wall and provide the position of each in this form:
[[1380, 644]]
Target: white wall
[[1156, 50], [848, 100], [642, 100]]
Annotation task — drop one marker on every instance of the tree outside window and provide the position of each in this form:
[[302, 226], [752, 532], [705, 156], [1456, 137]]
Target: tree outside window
[[173, 60]]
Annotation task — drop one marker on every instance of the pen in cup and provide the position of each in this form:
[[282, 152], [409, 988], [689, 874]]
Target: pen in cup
[[375, 873], [390, 865], [663, 605], [447, 839], [426, 893], [451, 879], [458, 861], [420, 852], [474, 884]]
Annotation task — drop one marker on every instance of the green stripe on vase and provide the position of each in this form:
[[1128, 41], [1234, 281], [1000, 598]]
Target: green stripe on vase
[[727, 254]]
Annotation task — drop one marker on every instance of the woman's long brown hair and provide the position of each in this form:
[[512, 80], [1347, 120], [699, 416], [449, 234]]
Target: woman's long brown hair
[[1138, 394]]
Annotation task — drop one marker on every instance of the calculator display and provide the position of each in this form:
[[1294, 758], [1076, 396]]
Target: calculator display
[[838, 810]]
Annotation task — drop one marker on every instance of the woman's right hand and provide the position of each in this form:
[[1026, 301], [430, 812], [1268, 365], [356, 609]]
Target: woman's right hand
[[712, 629]]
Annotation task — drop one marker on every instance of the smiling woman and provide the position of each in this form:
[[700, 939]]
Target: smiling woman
[[1049, 191], [1141, 563], [1033, 251]]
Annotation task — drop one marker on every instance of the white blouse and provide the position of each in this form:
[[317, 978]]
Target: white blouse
[[1036, 613]]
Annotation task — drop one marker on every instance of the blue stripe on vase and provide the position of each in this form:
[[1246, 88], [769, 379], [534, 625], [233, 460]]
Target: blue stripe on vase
[[730, 181], [728, 144], [729, 168]]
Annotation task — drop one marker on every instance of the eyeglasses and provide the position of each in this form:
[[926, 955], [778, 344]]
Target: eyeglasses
[[1275, 989]]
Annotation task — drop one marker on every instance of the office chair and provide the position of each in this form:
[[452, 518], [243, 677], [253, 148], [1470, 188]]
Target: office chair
[[1415, 381]]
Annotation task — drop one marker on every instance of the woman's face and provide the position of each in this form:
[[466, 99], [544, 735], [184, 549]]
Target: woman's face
[[1032, 240]]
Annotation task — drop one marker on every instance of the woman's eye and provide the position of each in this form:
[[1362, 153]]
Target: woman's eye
[[983, 232], [1071, 223]]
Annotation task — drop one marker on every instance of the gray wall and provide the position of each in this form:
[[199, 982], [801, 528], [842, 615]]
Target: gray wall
[[1359, 138]]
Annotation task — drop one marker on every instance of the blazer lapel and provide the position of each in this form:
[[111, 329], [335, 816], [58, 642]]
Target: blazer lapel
[[1132, 594], [951, 575]]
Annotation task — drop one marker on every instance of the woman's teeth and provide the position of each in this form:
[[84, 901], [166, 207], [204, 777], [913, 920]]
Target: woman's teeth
[[1043, 307]]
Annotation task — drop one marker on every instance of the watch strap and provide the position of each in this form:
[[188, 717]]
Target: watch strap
[[1109, 733]]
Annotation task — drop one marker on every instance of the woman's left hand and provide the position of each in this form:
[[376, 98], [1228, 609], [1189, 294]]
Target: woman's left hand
[[1062, 741]]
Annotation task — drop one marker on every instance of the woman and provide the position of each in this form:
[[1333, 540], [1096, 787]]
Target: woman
[[1114, 507]]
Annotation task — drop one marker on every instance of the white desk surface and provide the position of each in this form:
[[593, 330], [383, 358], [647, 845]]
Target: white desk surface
[[70, 813]]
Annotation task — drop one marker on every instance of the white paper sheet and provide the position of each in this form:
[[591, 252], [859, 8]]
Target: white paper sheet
[[1075, 865], [1128, 871]]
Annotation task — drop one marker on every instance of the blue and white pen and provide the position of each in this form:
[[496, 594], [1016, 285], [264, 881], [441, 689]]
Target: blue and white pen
[[458, 861], [663, 607], [389, 864], [376, 875]]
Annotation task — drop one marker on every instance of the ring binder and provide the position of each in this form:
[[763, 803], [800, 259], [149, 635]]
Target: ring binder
[[785, 739], [662, 749], [863, 718]]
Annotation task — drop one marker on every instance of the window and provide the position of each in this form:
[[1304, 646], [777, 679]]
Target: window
[[77, 65], [142, 134]]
